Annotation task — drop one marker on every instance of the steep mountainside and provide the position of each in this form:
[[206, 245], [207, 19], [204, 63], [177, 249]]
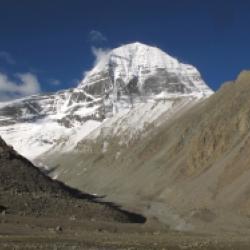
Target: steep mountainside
[[127, 90], [192, 172], [25, 191]]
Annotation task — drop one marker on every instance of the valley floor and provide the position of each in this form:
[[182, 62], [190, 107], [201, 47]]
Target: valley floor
[[18, 232]]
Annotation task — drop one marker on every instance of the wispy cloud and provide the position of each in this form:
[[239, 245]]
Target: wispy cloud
[[97, 40], [96, 36], [25, 84], [55, 82], [6, 57], [100, 54]]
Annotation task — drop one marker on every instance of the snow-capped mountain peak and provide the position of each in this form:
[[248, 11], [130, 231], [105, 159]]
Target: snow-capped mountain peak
[[129, 60], [140, 62], [137, 72], [129, 86]]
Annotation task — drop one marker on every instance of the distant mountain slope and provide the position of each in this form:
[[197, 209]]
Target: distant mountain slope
[[192, 172], [24, 190], [127, 83]]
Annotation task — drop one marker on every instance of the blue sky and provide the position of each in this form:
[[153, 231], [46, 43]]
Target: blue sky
[[49, 42]]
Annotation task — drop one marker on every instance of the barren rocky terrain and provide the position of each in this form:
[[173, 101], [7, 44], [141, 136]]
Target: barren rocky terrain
[[25, 232]]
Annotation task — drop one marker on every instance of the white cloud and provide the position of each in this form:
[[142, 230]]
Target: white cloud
[[101, 56], [55, 82], [96, 36], [6, 57], [25, 84]]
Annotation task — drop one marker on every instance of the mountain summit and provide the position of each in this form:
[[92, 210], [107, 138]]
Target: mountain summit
[[138, 70], [129, 89]]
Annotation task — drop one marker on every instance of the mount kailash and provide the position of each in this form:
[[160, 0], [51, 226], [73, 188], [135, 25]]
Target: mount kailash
[[132, 89]]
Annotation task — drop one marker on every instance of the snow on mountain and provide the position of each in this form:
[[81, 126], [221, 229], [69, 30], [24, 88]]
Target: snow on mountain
[[129, 88], [137, 71]]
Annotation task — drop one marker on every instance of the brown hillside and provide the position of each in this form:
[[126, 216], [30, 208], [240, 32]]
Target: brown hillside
[[192, 172]]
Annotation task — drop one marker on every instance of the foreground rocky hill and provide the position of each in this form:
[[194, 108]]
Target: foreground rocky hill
[[25, 191], [191, 173]]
